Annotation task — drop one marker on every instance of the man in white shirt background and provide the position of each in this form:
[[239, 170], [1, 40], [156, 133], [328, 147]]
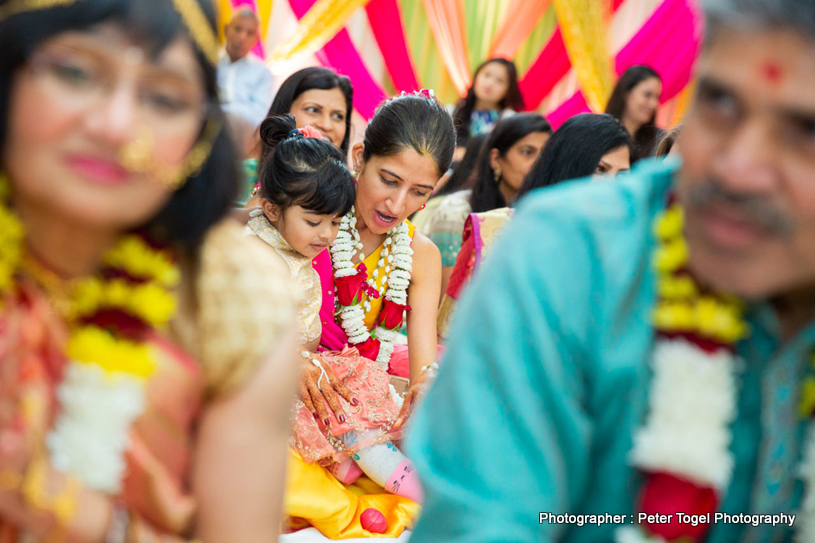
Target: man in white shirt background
[[245, 83]]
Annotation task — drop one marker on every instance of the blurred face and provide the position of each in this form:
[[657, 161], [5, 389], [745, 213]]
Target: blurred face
[[389, 189], [612, 163], [241, 35], [324, 110], [518, 160], [643, 100], [307, 232], [491, 84], [80, 101], [748, 150]]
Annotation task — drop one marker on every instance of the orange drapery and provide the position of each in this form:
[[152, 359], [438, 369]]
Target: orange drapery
[[521, 19], [446, 20]]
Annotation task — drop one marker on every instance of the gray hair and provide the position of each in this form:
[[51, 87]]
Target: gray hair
[[244, 12], [797, 15]]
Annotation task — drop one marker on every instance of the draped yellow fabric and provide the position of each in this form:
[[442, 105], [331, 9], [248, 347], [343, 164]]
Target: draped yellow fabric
[[224, 14], [316, 28], [520, 20], [313, 495], [371, 262], [583, 24], [264, 13], [446, 20]]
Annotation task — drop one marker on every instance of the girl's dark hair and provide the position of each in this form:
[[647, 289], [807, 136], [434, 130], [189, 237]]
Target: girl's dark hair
[[575, 150], [646, 137], [464, 109], [206, 196], [667, 142], [411, 122], [314, 78], [486, 194], [308, 172], [462, 177]]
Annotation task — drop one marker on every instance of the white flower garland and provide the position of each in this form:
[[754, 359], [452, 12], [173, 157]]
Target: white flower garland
[[91, 434], [396, 260]]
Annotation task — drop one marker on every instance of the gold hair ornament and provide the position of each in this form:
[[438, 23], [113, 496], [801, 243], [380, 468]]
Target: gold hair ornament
[[199, 28], [192, 15]]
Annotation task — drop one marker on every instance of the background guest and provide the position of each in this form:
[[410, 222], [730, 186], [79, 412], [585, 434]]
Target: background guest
[[245, 84]]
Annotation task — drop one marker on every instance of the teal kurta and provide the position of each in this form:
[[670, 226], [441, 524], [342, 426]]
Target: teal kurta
[[546, 374]]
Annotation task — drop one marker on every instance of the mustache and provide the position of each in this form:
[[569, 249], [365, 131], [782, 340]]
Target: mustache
[[752, 207]]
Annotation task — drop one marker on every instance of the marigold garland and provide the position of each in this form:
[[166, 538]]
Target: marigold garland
[[683, 447], [103, 390]]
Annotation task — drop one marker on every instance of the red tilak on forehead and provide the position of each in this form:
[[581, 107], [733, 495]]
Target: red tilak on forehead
[[772, 72]]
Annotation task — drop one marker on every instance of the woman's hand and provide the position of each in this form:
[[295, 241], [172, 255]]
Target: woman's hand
[[415, 393], [315, 393]]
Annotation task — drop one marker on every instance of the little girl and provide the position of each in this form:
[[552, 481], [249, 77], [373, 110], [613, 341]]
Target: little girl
[[306, 189]]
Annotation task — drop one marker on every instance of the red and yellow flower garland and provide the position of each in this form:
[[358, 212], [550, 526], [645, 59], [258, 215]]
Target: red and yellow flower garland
[[110, 316]]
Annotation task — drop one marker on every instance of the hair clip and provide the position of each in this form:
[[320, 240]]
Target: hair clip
[[294, 133], [311, 133], [428, 94]]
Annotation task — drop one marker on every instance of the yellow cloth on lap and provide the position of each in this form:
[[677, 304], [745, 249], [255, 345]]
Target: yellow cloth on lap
[[316, 496]]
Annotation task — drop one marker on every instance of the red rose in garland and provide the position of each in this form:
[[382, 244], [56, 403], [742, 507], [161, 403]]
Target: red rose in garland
[[349, 288], [391, 315], [369, 348], [665, 494]]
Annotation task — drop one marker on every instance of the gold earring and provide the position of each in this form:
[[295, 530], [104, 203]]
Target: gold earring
[[136, 156], [497, 175]]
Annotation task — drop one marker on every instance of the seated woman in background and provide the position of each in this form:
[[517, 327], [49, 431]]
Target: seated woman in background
[[494, 94], [585, 145], [460, 179], [505, 159], [634, 103], [316, 97]]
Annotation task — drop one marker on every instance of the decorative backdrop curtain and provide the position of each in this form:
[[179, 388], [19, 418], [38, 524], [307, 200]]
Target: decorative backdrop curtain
[[583, 24], [386, 24], [550, 67], [322, 21], [341, 55], [669, 42], [446, 20], [520, 20]]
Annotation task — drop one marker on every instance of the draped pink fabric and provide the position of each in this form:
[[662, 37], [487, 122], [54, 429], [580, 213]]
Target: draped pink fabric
[[341, 55], [386, 22], [549, 68], [446, 20], [669, 42], [520, 20], [568, 109]]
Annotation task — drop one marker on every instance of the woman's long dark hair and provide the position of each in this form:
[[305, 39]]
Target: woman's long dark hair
[[206, 196], [486, 194], [646, 137], [575, 150], [462, 177], [314, 78], [464, 109]]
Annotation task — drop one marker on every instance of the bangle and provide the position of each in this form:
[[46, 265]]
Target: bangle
[[434, 366]]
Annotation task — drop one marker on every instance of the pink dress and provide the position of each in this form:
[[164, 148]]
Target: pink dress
[[377, 408]]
